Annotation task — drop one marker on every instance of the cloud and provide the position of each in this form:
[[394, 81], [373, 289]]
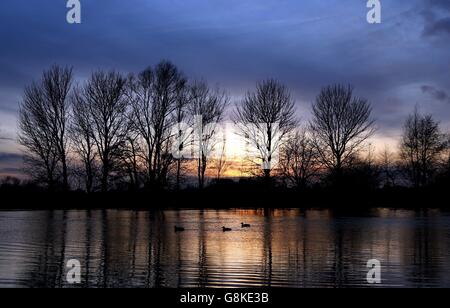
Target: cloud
[[443, 4], [437, 21], [436, 27], [4, 136], [11, 170], [439, 95], [7, 158], [11, 164], [234, 43]]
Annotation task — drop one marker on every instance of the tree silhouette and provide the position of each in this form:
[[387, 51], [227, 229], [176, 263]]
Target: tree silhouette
[[113, 132], [82, 135], [388, 167], [181, 134], [155, 95], [264, 118], [299, 159], [341, 124], [105, 96], [220, 162], [421, 147], [207, 106], [43, 119], [130, 160]]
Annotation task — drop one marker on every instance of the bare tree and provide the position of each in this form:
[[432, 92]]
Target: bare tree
[[105, 95], [221, 163], [446, 171], [299, 160], [82, 134], [43, 124], [155, 94], [421, 147], [264, 118], [181, 134], [207, 107], [388, 167], [447, 157], [131, 154], [41, 156], [341, 124], [363, 173]]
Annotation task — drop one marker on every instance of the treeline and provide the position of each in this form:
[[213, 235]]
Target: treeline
[[113, 131], [116, 132]]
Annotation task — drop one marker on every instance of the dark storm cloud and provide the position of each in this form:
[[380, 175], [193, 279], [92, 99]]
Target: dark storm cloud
[[439, 4], [435, 27], [437, 19], [437, 94]]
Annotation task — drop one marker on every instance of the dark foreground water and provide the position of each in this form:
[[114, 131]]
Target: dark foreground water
[[283, 248]]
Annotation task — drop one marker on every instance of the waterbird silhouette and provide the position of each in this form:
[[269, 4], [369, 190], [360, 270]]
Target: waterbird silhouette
[[226, 229], [179, 229], [245, 225]]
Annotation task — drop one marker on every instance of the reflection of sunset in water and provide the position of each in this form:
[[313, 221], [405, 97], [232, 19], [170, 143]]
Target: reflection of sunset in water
[[293, 248]]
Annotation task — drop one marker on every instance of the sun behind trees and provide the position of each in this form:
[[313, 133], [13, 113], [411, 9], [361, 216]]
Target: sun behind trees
[[207, 107], [265, 118], [135, 132]]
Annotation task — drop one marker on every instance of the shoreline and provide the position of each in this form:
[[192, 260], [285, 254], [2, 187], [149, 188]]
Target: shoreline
[[343, 200]]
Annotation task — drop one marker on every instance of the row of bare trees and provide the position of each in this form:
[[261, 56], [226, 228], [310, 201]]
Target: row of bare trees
[[340, 126], [115, 129], [112, 126], [334, 145]]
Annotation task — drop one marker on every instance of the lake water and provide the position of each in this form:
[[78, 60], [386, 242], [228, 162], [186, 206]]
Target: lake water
[[283, 248]]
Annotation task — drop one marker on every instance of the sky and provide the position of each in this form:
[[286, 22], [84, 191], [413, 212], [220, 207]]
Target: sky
[[399, 64]]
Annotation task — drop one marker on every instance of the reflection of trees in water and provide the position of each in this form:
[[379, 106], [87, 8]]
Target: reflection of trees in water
[[338, 267], [412, 246], [133, 242], [104, 265], [179, 252], [88, 243], [427, 243], [202, 251], [157, 233], [151, 222], [48, 268], [267, 247], [311, 248], [135, 249], [45, 271]]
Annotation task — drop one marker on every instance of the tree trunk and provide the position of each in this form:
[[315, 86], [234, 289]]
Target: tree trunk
[[89, 179], [267, 178], [105, 172], [199, 174], [65, 173], [178, 173]]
